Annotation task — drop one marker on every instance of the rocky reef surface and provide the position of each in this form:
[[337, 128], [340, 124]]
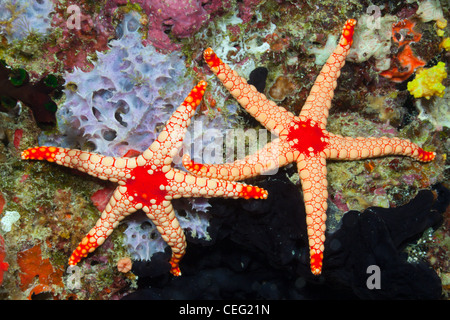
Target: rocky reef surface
[[104, 76]]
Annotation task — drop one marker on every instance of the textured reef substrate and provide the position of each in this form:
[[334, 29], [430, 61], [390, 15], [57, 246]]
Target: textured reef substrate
[[90, 87]]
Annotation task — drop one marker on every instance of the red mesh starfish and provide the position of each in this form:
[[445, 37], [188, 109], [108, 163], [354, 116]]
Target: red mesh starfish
[[302, 139], [147, 182]]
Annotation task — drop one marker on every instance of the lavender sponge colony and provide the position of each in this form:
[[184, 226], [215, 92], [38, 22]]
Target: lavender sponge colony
[[123, 101], [21, 18]]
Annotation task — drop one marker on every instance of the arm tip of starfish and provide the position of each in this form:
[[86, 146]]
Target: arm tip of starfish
[[347, 32], [316, 263], [202, 84], [211, 58], [252, 192], [196, 95], [39, 153], [351, 22], [72, 262], [208, 51], [426, 156], [26, 154], [176, 271]]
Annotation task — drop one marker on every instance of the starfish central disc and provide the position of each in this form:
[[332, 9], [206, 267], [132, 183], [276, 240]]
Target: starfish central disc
[[306, 137], [146, 184]]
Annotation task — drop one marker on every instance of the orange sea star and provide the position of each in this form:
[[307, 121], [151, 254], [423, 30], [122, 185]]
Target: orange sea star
[[147, 182], [302, 139]]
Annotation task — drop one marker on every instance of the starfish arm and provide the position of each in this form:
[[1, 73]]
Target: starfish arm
[[163, 216], [262, 109], [347, 148], [171, 137], [103, 167], [312, 172], [274, 155], [183, 184], [117, 209], [319, 101]]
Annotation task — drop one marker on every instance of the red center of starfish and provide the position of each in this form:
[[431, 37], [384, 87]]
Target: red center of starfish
[[306, 137], [145, 186]]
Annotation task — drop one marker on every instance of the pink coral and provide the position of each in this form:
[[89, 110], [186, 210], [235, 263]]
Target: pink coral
[[246, 9], [73, 47], [180, 18], [166, 21]]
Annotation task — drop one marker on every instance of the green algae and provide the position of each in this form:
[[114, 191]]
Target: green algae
[[25, 53]]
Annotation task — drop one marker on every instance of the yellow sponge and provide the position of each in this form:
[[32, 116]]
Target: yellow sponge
[[428, 82], [445, 44]]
